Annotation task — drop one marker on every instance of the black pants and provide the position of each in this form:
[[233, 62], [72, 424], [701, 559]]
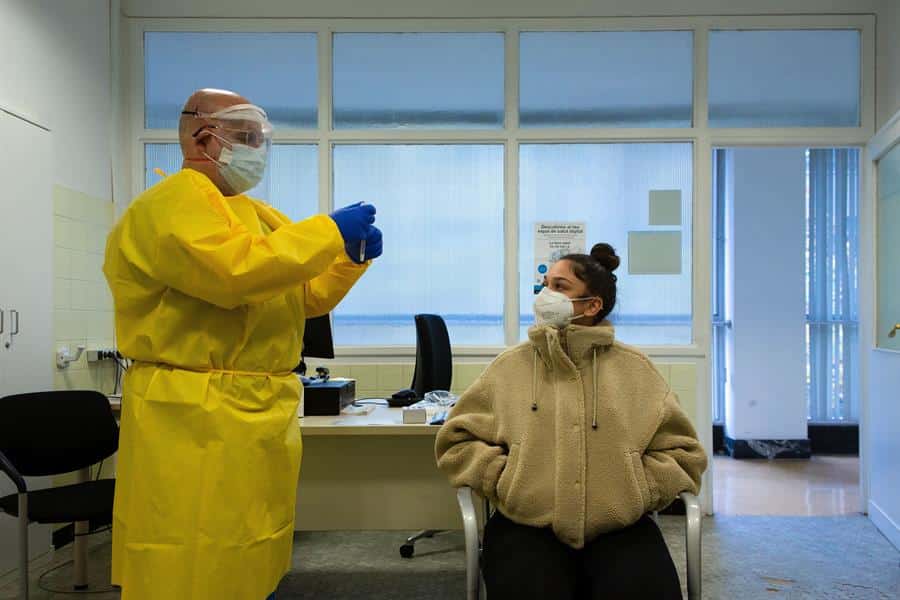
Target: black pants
[[521, 562]]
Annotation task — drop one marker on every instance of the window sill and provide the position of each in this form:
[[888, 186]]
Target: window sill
[[485, 353]]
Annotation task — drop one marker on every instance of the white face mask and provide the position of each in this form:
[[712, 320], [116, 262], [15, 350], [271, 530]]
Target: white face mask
[[555, 308], [242, 167]]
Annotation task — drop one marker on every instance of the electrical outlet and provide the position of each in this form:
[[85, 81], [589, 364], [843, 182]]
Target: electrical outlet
[[99, 354]]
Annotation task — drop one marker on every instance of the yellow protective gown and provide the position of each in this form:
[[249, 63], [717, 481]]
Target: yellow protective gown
[[210, 298]]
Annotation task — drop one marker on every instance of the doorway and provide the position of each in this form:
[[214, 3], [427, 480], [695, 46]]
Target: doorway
[[785, 346]]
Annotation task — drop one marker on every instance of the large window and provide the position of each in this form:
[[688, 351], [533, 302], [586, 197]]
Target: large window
[[437, 80], [466, 136], [784, 78], [280, 68], [832, 290], [441, 210], [614, 189], [606, 79]]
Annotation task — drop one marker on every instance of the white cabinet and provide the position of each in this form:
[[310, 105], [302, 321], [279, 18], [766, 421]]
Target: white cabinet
[[26, 287], [26, 257]]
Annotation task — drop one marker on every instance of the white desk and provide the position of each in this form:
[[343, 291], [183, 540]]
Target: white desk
[[381, 421], [372, 472]]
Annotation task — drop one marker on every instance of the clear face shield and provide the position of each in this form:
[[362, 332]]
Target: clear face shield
[[245, 124], [246, 134]]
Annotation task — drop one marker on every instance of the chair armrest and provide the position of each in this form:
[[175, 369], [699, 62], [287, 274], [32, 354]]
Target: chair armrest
[[7, 467], [470, 528], [693, 530]]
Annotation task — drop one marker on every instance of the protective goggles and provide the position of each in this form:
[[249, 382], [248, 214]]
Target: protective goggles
[[245, 124]]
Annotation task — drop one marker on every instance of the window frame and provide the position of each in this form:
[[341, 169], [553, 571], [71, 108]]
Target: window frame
[[702, 137]]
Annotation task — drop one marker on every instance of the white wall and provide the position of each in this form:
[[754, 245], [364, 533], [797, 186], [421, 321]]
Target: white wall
[[486, 8], [765, 391], [59, 62], [54, 66], [54, 69]]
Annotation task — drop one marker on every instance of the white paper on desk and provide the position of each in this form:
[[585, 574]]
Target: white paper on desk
[[360, 410], [354, 421], [382, 422]]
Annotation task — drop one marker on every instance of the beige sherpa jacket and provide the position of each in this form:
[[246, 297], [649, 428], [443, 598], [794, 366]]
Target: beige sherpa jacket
[[572, 430]]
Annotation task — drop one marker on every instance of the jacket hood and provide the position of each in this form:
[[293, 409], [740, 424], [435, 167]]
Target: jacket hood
[[580, 342]]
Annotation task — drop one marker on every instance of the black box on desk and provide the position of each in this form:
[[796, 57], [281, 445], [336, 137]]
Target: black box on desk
[[327, 398]]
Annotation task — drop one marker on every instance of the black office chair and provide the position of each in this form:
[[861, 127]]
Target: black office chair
[[434, 357], [434, 371], [50, 433]]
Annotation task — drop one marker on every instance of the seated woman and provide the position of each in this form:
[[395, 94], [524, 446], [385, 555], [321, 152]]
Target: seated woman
[[574, 437]]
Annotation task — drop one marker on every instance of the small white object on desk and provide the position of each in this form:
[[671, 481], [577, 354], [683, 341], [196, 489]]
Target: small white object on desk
[[424, 413], [358, 409], [415, 415]]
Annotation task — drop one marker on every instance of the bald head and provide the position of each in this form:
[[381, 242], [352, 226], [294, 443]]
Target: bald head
[[203, 101], [199, 150]]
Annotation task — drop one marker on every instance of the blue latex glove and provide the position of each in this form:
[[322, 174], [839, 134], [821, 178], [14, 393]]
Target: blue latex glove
[[373, 247], [354, 221]]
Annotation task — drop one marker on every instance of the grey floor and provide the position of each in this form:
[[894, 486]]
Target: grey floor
[[744, 557]]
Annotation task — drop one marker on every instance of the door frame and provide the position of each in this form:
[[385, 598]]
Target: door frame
[[881, 143]]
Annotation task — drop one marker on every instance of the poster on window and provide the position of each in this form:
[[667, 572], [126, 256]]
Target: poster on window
[[552, 241]]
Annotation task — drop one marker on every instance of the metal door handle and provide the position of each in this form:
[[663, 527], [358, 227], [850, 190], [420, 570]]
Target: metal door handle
[[2, 320], [16, 330], [892, 333]]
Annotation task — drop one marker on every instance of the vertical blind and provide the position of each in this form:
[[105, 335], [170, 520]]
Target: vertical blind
[[832, 298]]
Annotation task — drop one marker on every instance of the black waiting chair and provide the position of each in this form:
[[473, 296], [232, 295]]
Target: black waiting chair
[[50, 433]]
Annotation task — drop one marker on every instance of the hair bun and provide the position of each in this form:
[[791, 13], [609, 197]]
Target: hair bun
[[606, 256]]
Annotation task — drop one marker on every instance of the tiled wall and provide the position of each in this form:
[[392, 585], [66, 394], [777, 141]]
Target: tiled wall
[[82, 303], [381, 380], [682, 378]]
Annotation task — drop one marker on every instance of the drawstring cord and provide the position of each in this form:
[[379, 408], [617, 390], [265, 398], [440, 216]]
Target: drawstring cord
[[534, 383], [596, 386]]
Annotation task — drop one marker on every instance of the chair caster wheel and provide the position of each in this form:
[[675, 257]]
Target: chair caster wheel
[[407, 550]]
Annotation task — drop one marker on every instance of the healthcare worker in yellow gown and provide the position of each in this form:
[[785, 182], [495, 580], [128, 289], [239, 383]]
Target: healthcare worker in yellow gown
[[211, 289]]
